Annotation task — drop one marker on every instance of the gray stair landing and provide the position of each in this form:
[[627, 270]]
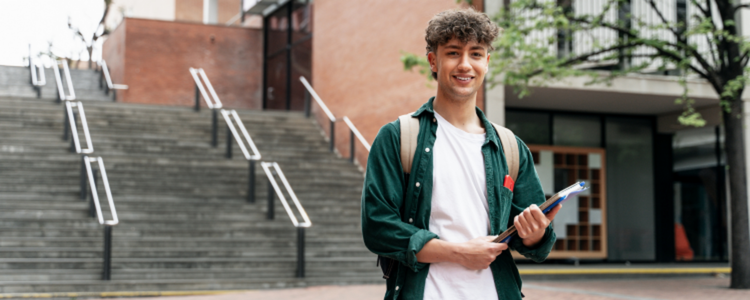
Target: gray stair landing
[[185, 223]]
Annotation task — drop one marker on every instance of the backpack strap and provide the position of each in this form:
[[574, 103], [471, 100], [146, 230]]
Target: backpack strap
[[510, 147], [409, 134]]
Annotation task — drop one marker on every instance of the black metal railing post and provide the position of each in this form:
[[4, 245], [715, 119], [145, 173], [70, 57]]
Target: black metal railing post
[[72, 140], [84, 179], [38, 92], [214, 128], [114, 95], [251, 183], [351, 146], [229, 143], [300, 252], [333, 135], [92, 207], [66, 123], [107, 263], [101, 80], [307, 104], [59, 97], [270, 213], [197, 98]]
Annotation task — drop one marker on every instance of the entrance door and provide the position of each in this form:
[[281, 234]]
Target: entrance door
[[288, 55]]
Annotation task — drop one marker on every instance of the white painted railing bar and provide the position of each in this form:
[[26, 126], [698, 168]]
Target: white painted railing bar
[[212, 102], [108, 80], [70, 124], [231, 117], [95, 209], [38, 78], [315, 96], [356, 133], [58, 80], [273, 186]]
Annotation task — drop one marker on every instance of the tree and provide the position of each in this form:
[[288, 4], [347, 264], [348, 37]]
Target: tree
[[100, 31], [700, 40]]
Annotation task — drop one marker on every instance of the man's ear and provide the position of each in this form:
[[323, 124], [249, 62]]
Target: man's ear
[[487, 67], [431, 58]]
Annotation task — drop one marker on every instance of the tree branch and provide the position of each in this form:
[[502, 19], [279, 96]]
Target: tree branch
[[664, 20]]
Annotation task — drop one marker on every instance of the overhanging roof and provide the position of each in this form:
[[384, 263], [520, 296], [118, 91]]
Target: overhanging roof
[[262, 7]]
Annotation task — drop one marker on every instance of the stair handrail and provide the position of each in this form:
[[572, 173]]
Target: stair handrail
[[273, 186], [231, 117], [95, 208], [354, 132], [108, 80], [70, 124], [212, 103], [38, 79], [58, 80]]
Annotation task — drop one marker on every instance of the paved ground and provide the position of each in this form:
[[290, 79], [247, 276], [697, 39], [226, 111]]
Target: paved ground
[[632, 289]]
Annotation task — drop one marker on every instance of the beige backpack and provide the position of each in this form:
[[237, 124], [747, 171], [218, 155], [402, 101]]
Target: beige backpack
[[410, 131]]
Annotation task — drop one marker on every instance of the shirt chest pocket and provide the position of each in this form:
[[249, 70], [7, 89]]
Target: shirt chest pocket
[[506, 200]]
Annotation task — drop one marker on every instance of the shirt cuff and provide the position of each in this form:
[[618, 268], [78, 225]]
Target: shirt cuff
[[416, 243], [540, 251]]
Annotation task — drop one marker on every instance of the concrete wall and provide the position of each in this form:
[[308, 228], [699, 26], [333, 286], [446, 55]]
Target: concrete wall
[[356, 67], [192, 10], [145, 9], [158, 55]]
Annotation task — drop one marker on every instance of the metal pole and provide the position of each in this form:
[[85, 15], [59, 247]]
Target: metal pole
[[229, 143], [351, 146], [114, 95], [38, 92], [107, 266], [300, 252], [307, 104], [72, 140], [59, 97], [106, 90], [84, 180], [197, 98], [92, 208], [269, 213], [333, 135], [214, 128], [251, 183], [66, 124], [101, 77]]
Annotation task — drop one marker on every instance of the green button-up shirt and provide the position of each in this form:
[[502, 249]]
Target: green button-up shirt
[[396, 206]]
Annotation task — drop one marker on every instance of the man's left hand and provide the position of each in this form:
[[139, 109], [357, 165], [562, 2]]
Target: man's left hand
[[532, 224]]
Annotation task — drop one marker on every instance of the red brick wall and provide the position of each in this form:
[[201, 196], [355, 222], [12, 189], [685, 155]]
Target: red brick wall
[[159, 54], [356, 65]]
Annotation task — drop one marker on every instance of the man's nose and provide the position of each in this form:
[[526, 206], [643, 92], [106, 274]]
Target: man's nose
[[464, 64]]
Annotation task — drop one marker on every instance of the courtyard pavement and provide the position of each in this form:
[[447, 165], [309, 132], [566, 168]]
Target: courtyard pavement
[[632, 289]]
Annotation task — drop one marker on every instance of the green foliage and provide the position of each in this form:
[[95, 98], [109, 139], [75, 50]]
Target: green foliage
[[526, 54], [411, 61]]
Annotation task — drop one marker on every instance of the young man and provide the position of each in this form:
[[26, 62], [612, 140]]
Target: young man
[[435, 225]]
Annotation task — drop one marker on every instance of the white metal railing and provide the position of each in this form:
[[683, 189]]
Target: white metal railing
[[38, 79], [354, 132], [107, 85], [231, 117], [70, 123], [212, 102], [271, 169], [94, 193], [58, 80]]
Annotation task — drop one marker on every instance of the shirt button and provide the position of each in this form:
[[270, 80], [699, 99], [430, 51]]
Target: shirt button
[[417, 184], [397, 288], [411, 220], [434, 120], [426, 149]]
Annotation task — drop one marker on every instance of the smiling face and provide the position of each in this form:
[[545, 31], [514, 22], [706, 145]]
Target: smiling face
[[460, 68]]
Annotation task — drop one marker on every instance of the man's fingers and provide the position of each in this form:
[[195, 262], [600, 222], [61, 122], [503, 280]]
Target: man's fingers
[[524, 228], [538, 215], [503, 246]]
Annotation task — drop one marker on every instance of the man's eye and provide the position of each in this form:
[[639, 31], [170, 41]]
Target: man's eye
[[452, 53]]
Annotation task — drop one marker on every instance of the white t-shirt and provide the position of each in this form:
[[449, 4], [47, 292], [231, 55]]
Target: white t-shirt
[[459, 212]]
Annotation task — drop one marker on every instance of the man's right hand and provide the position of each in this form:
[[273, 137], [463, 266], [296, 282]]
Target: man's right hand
[[479, 253]]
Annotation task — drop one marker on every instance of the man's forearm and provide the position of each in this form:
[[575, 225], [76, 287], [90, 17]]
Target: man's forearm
[[437, 250]]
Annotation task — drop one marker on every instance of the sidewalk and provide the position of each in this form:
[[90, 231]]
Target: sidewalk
[[633, 289]]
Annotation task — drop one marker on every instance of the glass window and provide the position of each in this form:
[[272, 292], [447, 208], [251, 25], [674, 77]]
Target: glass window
[[630, 189], [532, 127], [577, 131]]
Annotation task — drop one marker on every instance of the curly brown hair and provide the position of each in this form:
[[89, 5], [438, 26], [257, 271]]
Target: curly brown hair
[[464, 24]]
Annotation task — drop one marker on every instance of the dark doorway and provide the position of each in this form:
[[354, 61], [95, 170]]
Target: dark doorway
[[288, 55]]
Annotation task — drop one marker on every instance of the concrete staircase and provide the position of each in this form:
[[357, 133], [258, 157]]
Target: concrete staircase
[[16, 82], [185, 223]]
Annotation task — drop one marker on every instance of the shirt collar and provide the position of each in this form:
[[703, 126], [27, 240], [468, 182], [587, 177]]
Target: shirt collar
[[491, 136]]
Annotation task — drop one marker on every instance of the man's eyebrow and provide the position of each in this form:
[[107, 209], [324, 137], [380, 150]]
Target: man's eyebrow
[[453, 47]]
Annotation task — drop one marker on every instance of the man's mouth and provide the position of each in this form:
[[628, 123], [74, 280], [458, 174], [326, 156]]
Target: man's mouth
[[463, 78]]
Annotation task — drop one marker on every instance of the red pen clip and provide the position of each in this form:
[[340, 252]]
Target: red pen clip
[[508, 182]]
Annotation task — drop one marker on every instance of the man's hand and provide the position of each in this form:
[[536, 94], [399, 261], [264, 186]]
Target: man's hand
[[479, 253], [532, 223], [476, 254]]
